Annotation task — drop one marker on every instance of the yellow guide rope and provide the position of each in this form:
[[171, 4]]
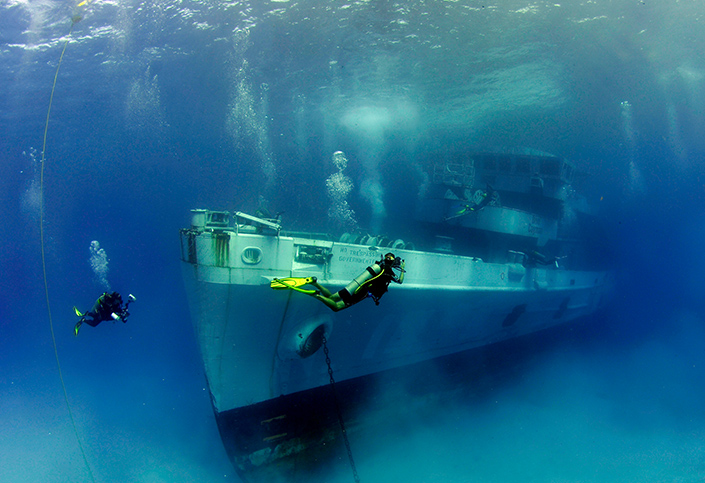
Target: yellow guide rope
[[74, 21]]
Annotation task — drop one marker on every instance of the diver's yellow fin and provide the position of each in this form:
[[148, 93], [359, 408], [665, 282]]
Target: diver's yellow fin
[[78, 312], [292, 283], [289, 282]]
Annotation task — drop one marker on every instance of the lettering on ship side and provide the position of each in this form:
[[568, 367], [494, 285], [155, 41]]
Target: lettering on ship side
[[358, 255], [356, 259]]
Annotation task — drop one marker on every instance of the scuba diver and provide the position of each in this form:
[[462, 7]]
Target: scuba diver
[[373, 282], [107, 307], [483, 198]]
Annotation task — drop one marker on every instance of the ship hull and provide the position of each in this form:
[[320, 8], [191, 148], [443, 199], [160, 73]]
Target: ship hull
[[273, 401], [297, 438]]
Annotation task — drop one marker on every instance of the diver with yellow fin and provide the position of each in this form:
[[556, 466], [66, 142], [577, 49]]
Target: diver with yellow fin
[[107, 307], [373, 282], [481, 199]]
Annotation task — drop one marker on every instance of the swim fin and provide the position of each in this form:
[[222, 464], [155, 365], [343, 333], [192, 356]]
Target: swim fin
[[292, 283], [77, 327], [78, 312]]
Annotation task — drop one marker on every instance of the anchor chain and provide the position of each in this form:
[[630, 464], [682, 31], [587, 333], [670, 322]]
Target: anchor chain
[[340, 413]]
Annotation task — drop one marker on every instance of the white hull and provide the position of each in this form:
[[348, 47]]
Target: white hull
[[249, 334]]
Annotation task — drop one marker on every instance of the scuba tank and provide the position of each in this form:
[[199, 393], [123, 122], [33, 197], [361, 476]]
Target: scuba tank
[[371, 272], [365, 284]]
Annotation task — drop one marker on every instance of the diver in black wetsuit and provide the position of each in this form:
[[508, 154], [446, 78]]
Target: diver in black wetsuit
[[486, 197], [107, 307], [373, 282]]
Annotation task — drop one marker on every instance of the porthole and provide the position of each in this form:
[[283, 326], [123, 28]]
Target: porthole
[[252, 255]]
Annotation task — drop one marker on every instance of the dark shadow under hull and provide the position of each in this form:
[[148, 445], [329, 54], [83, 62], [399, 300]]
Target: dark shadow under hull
[[298, 438]]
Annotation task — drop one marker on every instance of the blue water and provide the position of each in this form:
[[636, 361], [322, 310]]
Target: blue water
[[161, 107]]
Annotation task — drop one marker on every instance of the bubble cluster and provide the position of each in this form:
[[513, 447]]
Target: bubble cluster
[[248, 120], [340, 161], [99, 264], [339, 186], [635, 182], [31, 199], [143, 106]]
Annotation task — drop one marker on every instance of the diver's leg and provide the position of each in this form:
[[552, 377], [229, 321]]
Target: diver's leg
[[92, 319], [334, 302], [323, 291]]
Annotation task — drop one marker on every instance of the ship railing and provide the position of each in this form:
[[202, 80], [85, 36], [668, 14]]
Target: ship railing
[[239, 215], [219, 221], [308, 235]]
